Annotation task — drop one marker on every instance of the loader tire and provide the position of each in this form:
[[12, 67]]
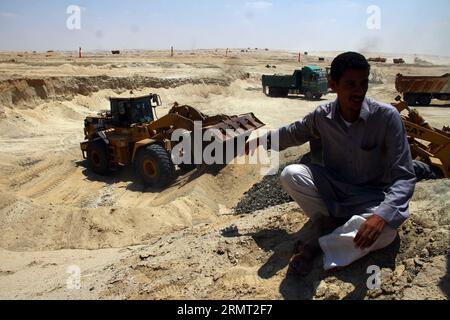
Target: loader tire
[[154, 167], [98, 157], [424, 171]]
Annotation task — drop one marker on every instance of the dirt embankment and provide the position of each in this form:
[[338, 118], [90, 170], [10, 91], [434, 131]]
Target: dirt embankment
[[32, 92], [249, 260], [51, 201]]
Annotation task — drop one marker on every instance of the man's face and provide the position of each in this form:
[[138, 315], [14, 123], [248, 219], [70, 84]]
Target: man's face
[[351, 89]]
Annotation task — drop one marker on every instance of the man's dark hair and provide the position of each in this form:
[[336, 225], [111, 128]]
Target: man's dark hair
[[346, 61]]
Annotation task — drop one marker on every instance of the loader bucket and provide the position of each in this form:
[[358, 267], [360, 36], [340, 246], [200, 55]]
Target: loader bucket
[[233, 129], [240, 125]]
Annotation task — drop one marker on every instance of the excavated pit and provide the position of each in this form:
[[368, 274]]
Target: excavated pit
[[50, 200], [168, 244]]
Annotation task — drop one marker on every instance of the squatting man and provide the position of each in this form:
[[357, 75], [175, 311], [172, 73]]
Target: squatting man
[[360, 179]]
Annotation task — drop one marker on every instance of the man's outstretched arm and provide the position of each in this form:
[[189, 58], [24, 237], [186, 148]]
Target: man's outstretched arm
[[295, 134]]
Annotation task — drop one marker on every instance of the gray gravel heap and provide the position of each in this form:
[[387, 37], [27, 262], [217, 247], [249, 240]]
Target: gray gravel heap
[[264, 194]]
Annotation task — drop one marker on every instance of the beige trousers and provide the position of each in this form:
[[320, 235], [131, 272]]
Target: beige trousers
[[338, 247]]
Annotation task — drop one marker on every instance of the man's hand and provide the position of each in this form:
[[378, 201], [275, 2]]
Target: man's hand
[[369, 232], [252, 145]]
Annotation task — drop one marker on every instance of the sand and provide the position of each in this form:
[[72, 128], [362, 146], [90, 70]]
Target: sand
[[131, 242]]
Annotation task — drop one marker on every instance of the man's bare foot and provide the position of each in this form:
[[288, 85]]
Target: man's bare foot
[[305, 252], [303, 257]]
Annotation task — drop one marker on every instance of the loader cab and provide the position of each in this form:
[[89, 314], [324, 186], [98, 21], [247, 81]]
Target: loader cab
[[128, 111]]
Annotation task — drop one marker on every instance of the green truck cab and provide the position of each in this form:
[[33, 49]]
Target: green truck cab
[[310, 81]]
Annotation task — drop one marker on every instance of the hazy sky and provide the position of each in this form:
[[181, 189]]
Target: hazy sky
[[406, 26]]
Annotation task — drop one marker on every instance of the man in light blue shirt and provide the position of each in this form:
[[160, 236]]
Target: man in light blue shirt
[[361, 170]]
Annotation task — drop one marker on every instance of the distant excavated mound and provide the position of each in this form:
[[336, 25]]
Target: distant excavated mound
[[27, 93], [422, 62]]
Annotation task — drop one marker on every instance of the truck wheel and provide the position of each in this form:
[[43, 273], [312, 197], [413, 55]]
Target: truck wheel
[[154, 167], [98, 157], [410, 99], [277, 92], [317, 96], [425, 100], [309, 95]]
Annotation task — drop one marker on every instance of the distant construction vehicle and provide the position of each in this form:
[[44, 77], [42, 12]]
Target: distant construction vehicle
[[420, 90], [311, 81], [379, 59], [131, 135], [399, 61]]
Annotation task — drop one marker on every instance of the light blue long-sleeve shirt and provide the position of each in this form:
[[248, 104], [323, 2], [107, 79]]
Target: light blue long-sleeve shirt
[[359, 166]]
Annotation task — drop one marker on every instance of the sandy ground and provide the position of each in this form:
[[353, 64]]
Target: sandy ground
[[130, 242]]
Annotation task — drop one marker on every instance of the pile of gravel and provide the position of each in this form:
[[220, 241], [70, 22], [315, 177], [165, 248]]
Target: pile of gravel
[[264, 194], [268, 192]]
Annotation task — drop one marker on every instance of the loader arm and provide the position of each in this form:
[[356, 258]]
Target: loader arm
[[436, 151]]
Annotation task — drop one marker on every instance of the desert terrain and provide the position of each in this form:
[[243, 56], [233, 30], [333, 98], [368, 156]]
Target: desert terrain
[[131, 242]]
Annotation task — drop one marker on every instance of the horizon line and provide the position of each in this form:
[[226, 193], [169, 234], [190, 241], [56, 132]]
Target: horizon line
[[253, 49]]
